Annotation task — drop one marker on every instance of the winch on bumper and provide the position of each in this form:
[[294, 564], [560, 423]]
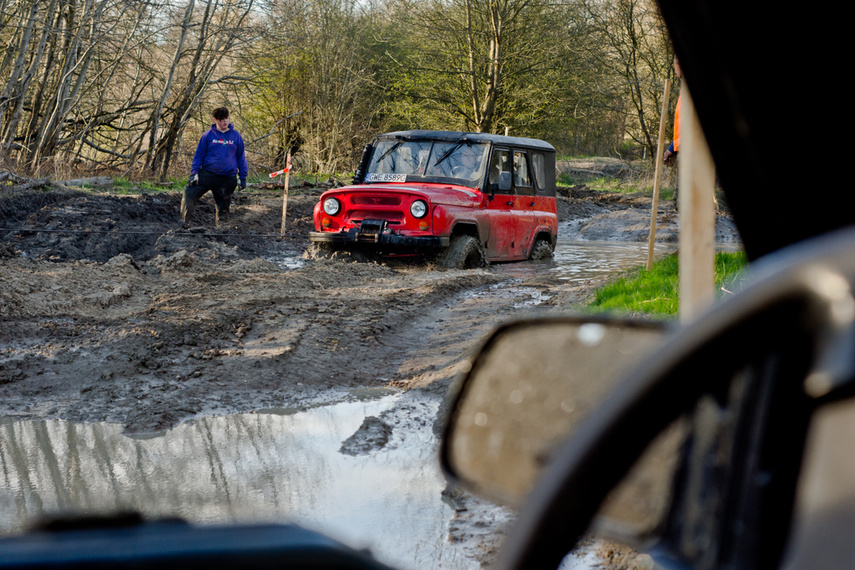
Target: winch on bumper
[[377, 232]]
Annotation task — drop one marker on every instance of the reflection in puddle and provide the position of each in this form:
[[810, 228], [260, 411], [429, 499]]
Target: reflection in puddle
[[581, 260], [287, 262], [248, 467]]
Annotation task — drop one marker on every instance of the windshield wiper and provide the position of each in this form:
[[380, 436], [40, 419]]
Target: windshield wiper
[[388, 152], [449, 152]]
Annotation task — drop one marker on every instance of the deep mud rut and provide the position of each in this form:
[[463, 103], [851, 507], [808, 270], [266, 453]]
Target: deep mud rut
[[119, 315]]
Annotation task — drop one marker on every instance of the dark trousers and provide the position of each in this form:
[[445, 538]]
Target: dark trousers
[[222, 187]]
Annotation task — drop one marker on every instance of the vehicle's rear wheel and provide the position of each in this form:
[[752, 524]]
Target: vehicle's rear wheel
[[465, 252], [542, 249]]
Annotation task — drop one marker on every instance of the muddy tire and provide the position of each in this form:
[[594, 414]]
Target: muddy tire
[[318, 251], [542, 249], [352, 255], [465, 252]]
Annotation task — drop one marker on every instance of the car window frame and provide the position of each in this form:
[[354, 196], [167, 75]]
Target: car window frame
[[521, 190]]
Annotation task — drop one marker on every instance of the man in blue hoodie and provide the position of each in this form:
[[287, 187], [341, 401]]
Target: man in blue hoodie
[[219, 157]]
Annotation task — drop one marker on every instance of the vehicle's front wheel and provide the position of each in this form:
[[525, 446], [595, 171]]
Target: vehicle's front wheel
[[465, 252], [319, 251], [542, 249]]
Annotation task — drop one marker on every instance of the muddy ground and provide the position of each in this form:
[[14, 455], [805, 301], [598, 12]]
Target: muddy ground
[[112, 312]]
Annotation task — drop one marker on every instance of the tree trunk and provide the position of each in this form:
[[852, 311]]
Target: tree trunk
[[15, 116], [494, 75], [155, 116]]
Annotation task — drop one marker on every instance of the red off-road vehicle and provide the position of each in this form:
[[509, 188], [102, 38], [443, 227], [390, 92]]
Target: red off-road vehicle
[[467, 198]]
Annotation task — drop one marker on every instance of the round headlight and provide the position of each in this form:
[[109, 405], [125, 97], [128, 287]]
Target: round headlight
[[332, 206], [419, 209]]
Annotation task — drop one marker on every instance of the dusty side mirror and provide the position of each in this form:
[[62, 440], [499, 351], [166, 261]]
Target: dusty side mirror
[[532, 383], [505, 182]]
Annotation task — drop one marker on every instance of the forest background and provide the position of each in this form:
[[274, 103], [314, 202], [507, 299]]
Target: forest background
[[127, 86]]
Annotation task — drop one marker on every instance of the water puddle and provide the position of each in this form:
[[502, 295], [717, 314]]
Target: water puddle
[[583, 260], [287, 262], [523, 296], [283, 467]]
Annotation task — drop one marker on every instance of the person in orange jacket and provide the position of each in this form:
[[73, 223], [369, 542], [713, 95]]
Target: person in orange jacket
[[671, 152], [670, 156]]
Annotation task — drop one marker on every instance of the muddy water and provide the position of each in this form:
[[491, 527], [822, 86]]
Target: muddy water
[[580, 260], [583, 260], [280, 466], [574, 260]]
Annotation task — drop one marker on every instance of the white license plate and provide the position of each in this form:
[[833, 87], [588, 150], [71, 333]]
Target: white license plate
[[376, 177]]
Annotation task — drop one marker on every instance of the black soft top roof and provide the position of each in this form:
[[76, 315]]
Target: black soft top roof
[[454, 136]]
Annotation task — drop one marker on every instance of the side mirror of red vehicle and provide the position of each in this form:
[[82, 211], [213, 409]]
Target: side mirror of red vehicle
[[505, 182]]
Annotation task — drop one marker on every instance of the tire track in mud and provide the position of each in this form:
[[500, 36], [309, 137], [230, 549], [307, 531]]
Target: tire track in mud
[[151, 344], [440, 344], [193, 325], [435, 350]]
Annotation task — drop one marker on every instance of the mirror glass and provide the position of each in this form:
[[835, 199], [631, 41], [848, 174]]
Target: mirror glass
[[504, 181], [528, 389], [636, 506], [825, 500]]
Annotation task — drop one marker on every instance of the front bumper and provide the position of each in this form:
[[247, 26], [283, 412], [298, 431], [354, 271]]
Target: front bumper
[[354, 237]]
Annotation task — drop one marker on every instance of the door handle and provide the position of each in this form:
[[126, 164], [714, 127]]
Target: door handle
[[509, 203], [531, 205]]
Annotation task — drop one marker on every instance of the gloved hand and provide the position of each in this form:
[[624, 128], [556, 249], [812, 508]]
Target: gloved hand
[[194, 180], [243, 184], [670, 157]]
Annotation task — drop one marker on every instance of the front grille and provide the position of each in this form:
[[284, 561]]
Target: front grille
[[378, 214], [376, 200]]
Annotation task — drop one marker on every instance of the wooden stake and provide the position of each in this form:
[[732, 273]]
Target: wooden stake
[[285, 194], [657, 179], [697, 215]]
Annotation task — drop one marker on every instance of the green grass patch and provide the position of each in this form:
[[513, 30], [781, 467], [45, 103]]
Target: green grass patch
[[122, 185], [610, 185], [316, 178], [656, 292], [561, 157], [641, 184]]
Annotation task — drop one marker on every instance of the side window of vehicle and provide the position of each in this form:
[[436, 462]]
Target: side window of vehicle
[[543, 169], [500, 164], [522, 176], [538, 169]]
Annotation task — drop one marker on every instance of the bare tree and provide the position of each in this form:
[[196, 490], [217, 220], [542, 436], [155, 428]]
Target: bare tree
[[639, 54], [89, 80], [167, 89], [220, 30], [313, 60], [480, 65], [22, 74]]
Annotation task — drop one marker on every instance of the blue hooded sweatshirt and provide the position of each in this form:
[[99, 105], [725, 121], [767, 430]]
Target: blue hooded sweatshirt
[[221, 153]]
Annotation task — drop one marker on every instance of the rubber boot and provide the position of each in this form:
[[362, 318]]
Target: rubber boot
[[187, 208], [222, 217]]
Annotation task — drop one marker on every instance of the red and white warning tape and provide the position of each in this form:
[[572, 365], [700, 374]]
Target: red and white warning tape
[[283, 171]]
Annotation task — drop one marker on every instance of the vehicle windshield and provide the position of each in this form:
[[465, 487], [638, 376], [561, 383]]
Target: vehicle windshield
[[400, 161]]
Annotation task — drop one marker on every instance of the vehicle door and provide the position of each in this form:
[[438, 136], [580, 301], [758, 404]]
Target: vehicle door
[[501, 204], [543, 205], [524, 204]]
